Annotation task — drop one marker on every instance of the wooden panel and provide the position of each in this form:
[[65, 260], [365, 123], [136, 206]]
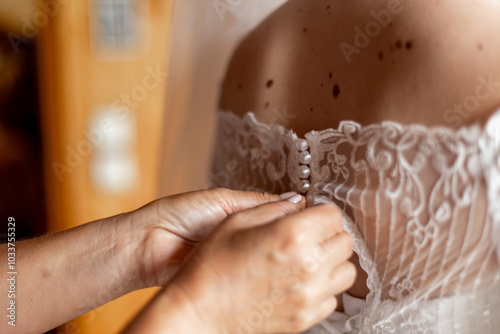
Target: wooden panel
[[72, 84], [12, 14]]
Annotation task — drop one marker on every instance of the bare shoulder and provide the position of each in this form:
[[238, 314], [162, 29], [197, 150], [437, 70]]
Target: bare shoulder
[[311, 64]]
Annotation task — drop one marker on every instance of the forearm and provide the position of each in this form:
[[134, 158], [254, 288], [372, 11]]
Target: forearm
[[67, 274], [167, 313]]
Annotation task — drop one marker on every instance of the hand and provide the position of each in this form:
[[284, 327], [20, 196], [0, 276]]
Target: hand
[[260, 271], [174, 225], [111, 257]]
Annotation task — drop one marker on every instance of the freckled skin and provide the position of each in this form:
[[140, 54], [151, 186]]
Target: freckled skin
[[421, 64], [437, 66]]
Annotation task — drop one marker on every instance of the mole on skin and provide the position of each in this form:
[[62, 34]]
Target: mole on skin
[[336, 91], [269, 84]]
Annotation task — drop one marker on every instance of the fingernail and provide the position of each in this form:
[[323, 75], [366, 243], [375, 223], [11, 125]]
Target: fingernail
[[287, 195], [295, 199]]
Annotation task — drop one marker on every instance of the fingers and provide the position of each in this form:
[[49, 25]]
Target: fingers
[[341, 278], [334, 273], [200, 211], [319, 223], [317, 301], [339, 247], [326, 308], [332, 281], [232, 201], [269, 212], [339, 273]]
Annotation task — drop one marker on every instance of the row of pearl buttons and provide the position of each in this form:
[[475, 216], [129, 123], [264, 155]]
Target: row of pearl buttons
[[304, 170]]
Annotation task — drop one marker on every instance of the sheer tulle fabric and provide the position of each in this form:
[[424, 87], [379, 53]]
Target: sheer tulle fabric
[[423, 205]]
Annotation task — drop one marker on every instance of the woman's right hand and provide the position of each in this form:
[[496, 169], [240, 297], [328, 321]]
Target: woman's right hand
[[271, 269]]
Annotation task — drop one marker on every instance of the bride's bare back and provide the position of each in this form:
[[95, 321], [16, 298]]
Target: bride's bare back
[[312, 64], [316, 63]]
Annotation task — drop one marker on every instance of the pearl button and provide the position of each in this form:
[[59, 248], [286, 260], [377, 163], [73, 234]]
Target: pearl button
[[305, 158], [304, 172], [301, 144], [304, 186]]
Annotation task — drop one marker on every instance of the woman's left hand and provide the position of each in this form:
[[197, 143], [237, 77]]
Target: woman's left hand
[[172, 226]]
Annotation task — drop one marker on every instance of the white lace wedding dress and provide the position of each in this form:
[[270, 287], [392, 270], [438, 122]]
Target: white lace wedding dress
[[422, 203]]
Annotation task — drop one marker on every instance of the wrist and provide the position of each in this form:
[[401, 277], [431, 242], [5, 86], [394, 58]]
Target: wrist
[[129, 238], [179, 307], [159, 249], [168, 312]]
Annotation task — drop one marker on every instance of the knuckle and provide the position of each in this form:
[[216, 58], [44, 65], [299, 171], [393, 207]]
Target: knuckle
[[309, 268], [309, 295], [293, 238], [300, 322], [303, 299], [301, 302], [264, 197], [222, 197], [335, 215], [326, 308], [305, 274], [331, 210], [335, 212], [347, 240], [351, 271], [347, 273], [341, 246]]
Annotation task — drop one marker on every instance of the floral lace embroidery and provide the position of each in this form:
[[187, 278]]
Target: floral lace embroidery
[[422, 204]]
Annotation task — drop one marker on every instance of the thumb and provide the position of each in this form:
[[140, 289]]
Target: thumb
[[263, 214], [232, 201]]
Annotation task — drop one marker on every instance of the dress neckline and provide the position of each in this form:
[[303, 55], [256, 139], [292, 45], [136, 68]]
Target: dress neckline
[[491, 126]]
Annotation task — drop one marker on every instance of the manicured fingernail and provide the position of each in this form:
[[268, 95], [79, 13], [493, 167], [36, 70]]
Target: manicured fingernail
[[295, 199], [287, 195]]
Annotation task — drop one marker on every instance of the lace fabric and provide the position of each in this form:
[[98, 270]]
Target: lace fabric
[[422, 204]]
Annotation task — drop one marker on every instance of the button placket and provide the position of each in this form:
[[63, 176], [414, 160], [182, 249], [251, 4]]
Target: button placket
[[304, 169]]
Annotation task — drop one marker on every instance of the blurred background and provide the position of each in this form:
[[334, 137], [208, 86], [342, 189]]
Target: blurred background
[[106, 105]]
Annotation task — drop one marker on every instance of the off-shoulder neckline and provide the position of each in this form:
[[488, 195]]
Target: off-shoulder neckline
[[491, 127]]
